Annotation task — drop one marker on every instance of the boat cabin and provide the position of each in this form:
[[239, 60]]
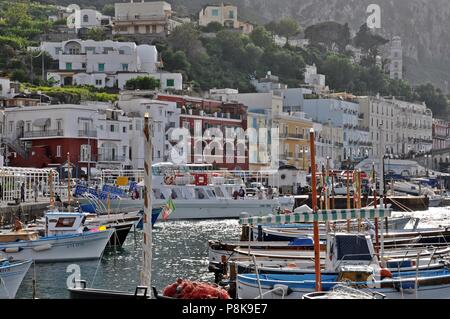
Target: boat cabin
[[64, 223], [349, 250]]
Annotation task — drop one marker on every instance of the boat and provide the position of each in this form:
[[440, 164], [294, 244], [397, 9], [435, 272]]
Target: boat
[[65, 239], [350, 258], [11, 276], [197, 195]]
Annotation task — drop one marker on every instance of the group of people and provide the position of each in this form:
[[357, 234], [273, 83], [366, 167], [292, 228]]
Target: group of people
[[260, 193]]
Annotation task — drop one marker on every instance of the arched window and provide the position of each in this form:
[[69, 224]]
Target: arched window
[[86, 18]]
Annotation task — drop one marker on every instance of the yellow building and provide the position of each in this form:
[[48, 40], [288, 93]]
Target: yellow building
[[293, 138]]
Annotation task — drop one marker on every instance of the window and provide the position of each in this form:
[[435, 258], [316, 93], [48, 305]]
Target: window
[[98, 82], [28, 126], [154, 29], [136, 29], [231, 14], [58, 50], [86, 18], [65, 222], [124, 66], [111, 128], [68, 66], [123, 29], [147, 29], [59, 125], [101, 67], [124, 129], [83, 65], [159, 154], [215, 12], [58, 150], [124, 151], [170, 82]]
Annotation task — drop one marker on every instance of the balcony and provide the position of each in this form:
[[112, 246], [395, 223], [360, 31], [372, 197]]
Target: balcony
[[84, 133], [111, 158], [50, 133]]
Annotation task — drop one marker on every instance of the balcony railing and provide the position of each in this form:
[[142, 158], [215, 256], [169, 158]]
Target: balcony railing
[[50, 133], [84, 133], [110, 158]]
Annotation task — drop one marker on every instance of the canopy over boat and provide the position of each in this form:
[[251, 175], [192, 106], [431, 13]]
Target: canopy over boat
[[320, 216]]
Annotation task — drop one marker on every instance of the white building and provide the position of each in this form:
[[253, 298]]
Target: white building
[[396, 57], [5, 87], [94, 134], [405, 127], [87, 18], [165, 117], [315, 80], [106, 63], [268, 83], [346, 115]]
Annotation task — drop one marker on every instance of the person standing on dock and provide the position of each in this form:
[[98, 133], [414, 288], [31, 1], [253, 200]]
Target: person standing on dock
[[22, 193], [35, 190]]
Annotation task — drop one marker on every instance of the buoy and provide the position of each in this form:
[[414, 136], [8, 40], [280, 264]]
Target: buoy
[[42, 247], [385, 273]]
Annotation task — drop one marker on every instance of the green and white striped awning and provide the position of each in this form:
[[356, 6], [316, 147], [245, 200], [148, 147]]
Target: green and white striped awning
[[321, 216]]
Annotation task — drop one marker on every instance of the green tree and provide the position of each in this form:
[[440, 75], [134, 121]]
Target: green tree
[[96, 34], [108, 9], [288, 28], [186, 38], [261, 37], [339, 71], [213, 27], [329, 34], [369, 42], [142, 83], [433, 98], [175, 61]]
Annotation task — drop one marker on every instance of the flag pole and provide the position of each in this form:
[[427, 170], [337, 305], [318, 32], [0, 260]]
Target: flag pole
[[314, 207], [147, 245]]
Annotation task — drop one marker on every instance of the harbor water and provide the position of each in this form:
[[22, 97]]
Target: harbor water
[[180, 250]]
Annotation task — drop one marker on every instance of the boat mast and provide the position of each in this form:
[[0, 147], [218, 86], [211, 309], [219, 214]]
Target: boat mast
[[381, 166], [147, 245], [68, 180], [314, 207]]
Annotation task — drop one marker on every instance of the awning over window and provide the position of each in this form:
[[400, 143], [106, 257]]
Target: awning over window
[[42, 122]]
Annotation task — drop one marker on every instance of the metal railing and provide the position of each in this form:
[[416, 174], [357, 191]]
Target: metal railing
[[110, 158], [46, 133], [83, 133]]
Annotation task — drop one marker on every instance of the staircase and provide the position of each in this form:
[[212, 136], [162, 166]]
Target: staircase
[[15, 146]]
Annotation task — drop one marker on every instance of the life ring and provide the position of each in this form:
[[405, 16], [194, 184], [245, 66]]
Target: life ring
[[168, 180]]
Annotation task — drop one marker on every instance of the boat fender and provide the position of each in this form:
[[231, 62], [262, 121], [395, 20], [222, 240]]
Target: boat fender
[[281, 290], [385, 273], [13, 249], [42, 247]]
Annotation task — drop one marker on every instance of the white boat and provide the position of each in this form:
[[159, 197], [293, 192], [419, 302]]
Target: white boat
[[11, 276], [201, 196], [65, 240]]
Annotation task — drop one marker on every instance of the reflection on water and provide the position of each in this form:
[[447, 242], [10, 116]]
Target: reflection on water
[[180, 250]]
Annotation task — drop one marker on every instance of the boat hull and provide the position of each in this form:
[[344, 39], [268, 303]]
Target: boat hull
[[11, 277], [88, 245], [248, 288]]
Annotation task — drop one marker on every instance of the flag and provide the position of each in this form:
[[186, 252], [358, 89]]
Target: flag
[[169, 208]]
